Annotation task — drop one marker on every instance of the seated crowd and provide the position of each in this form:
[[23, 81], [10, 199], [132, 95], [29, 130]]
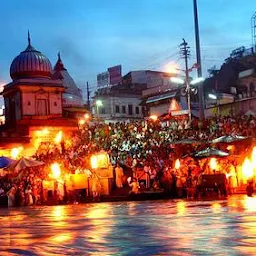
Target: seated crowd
[[145, 150]]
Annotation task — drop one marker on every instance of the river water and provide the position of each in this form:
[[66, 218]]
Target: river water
[[171, 227]]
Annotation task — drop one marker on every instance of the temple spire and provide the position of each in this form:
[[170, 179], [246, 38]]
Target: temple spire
[[29, 40], [59, 56]]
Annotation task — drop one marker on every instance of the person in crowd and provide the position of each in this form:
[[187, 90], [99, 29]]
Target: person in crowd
[[28, 196], [134, 184], [146, 145], [119, 176], [96, 187], [11, 197]]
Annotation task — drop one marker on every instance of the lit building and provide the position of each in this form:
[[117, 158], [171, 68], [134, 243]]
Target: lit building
[[118, 104]]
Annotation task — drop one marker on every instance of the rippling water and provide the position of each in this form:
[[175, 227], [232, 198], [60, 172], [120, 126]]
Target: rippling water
[[170, 227]]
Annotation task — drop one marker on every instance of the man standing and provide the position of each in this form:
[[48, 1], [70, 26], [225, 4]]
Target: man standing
[[119, 176]]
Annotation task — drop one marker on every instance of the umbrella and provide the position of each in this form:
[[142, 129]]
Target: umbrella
[[5, 161], [187, 141], [25, 163], [210, 152], [229, 139]]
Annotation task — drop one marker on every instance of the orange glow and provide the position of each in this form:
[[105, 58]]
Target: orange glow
[[181, 208], [172, 68], [100, 160], [213, 164], [94, 162], [247, 168], [58, 137], [253, 158], [56, 172], [81, 121], [86, 116], [230, 147], [216, 207], [153, 117], [62, 238], [177, 164], [45, 131], [15, 152], [250, 203]]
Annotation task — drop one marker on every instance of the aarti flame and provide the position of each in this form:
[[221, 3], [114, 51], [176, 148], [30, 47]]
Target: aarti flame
[[247, 168], [213, 164], [177, 164], [58, 137], [15, 152], [94, 162], [56, 171]]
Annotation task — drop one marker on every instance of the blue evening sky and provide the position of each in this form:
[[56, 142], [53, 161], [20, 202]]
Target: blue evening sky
[[93, 35]]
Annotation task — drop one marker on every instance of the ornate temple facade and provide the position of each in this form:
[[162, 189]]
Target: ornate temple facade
[[38, 95]]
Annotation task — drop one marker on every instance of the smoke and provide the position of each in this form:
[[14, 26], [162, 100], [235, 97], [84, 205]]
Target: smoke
[[70, 50]]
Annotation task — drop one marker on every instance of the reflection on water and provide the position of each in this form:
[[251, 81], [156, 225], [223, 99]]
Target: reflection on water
[[171, 227]]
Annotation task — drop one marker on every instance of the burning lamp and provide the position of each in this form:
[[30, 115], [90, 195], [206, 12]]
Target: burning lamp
[[81, 122], [86, 116], [56, 172], [94, 162], [177, 164], [213, 164], [15, 152], [58, 137], [247, 169], [154, 118]]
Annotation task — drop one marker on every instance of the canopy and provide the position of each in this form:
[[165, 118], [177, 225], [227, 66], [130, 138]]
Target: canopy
[[5, 161], [187, 141], [210, 152], [25, 163], [229, 139]]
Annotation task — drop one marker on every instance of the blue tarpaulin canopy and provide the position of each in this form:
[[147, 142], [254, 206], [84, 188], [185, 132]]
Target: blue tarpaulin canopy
[[5, 161]]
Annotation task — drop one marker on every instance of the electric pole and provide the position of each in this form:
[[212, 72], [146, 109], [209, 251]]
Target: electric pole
[[198, 60], [185, 53], [88, 96]]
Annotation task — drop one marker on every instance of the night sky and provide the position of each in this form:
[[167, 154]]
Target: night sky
[[93, 35]]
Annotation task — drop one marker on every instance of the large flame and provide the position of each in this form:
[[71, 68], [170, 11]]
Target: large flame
[[56, 172], [94, 162], [177, 164], [214, 164], [253, 158], [58, 137], [247, 168], [15, 152]]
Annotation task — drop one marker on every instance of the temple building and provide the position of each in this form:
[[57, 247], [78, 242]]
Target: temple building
[[38, 95]]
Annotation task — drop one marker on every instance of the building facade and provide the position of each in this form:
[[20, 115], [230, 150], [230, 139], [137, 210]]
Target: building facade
[[37, 95], [118, 104]]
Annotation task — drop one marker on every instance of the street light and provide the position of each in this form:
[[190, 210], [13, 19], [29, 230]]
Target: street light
[[197, 80], [177, 80], [212, 96], [215, 97], [188, 89], [99, 103]]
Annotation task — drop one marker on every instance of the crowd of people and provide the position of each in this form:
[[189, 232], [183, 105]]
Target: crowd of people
[[146, 151]]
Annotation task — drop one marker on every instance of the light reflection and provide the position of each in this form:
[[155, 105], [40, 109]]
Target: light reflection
[[250, 203], [131, 208], [59, 216], [62, 238], [97, 216], [216, 207], [181, 208]]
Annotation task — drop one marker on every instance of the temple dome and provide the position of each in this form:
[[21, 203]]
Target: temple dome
[[73, 95], [30, 64]]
